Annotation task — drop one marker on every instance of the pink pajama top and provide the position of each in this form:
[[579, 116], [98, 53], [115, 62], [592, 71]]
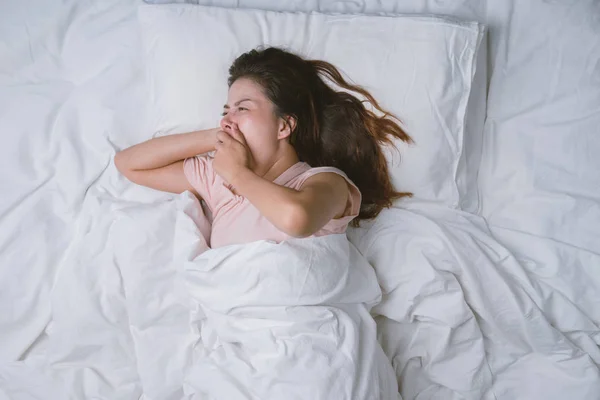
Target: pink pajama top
[[235, 220]]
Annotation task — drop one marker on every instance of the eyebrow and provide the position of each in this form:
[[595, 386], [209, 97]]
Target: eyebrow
[[238, 102]]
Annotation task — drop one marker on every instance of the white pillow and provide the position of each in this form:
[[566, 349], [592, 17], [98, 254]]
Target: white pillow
[[468, 167], [419, 68]]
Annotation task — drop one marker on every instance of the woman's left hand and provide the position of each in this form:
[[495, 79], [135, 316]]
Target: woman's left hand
[[232, 154]]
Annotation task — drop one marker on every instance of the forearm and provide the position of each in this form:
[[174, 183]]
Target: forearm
[[161, 151], [281, 205]]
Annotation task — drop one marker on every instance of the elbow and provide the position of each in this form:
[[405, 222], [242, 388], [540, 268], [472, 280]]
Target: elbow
[[118, 160], [121, 164], [123, 168], [297, 222]]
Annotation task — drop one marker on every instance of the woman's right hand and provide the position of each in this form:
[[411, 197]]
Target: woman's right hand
[[213, 137]]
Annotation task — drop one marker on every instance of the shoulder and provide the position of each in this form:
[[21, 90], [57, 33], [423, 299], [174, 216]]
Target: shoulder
[[327, 175], [328, 178], [318, 174]]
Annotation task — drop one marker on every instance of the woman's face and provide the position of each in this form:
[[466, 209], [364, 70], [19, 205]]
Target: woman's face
[[253, 113]]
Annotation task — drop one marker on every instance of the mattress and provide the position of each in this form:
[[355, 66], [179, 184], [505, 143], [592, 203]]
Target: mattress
[[500, 302]]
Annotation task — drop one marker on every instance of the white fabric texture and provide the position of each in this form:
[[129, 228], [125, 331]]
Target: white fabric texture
[[140, 309], [467, 175], [539, 181], [69, 95], [72, 93], [288, 320], [457, 304], [425, 78], [257, 321]]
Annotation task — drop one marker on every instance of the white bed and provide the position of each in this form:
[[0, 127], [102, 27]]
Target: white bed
[[501, 302]]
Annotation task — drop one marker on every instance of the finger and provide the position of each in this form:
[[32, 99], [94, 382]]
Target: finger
[[238, 135], [223, 137], [229, 141]]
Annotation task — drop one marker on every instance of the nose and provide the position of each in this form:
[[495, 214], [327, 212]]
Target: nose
[[226, 123]]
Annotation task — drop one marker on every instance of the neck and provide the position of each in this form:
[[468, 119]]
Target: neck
[[282, 162]]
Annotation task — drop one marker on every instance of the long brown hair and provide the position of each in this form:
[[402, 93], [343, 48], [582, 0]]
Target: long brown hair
[[333, 128]]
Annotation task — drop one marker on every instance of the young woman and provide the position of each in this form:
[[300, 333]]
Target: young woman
[[292, 156]]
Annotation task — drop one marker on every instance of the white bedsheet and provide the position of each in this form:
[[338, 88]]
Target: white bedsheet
[[458, 305], [71, 92], [539, 177]]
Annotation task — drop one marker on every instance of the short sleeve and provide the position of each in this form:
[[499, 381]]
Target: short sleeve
[[200, 173], [338, 225]]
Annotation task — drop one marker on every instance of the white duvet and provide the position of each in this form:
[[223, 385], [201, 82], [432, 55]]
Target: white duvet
[[287, 320], [256, 321]]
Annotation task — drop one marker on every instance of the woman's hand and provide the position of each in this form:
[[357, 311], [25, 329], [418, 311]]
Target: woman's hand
[[232, 155]]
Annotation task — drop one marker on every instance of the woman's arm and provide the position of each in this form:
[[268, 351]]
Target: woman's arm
[[299, 213], [158, 163]]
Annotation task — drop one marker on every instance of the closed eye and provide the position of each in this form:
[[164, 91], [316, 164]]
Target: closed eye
[[224, 113]]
